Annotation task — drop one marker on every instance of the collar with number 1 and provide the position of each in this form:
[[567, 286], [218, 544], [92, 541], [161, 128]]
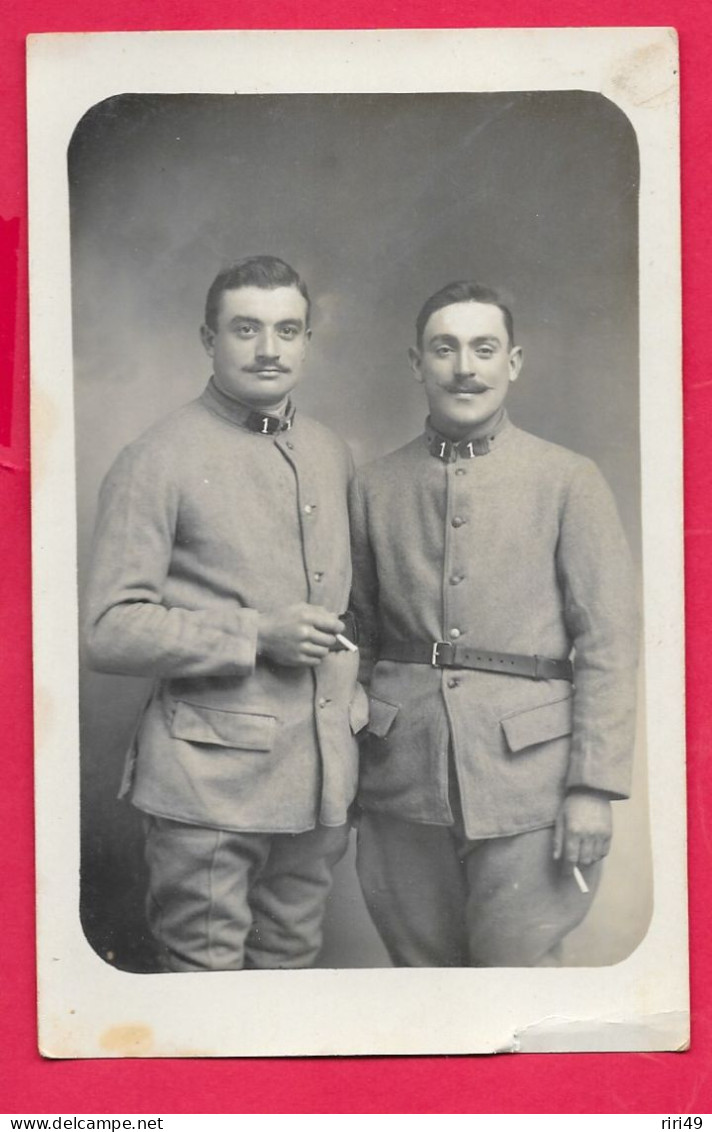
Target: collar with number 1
[[449, 450], [268, 424]]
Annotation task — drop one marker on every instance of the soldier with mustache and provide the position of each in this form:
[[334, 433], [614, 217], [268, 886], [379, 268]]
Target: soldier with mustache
[[221, 564], [498, 628]]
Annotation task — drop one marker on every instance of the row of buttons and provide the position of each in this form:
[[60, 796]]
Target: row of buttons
[[309, 509], [455, 579]]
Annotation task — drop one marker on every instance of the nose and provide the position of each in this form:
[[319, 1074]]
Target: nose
[[267, 345], [466, 364]]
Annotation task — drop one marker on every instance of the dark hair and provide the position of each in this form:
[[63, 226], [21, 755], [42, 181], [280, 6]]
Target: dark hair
[[463, 292], [265, 271]]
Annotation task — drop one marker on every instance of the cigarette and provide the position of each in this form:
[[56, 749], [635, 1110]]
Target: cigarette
[[580, 881], [346, 642]]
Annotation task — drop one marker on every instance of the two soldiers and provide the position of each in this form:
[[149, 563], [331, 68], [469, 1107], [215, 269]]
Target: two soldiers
[[496, 616]]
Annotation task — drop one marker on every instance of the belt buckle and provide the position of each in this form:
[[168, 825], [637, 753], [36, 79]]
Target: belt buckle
[[435, 659]]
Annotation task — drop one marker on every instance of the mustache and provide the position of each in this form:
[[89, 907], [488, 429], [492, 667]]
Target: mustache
[[467, 386], [271, 366]]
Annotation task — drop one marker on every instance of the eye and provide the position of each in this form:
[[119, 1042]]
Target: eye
[[288, 332], [443, 351], [485, 351], [244, 330]]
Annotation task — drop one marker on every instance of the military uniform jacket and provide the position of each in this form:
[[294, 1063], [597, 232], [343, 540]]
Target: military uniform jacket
[[202, 524], [518, 551]]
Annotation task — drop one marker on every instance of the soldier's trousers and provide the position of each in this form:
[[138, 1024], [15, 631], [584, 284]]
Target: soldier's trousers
[[441, 900], [220, 901]]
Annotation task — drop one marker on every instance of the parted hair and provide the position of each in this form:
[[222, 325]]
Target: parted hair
[[465, 291], [265, 271]]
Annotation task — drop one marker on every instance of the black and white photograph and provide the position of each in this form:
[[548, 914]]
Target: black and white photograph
[[357, 543]]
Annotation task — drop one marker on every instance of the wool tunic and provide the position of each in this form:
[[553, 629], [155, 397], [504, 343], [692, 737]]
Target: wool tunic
[[202, 525], [518, 551]]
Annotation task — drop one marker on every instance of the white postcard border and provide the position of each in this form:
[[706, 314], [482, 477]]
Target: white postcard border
[[89, 1009]]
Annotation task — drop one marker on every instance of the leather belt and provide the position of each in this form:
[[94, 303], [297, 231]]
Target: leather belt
[[444, 654]]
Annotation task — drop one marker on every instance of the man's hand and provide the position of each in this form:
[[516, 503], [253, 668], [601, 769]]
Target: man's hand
[[583, 828], [298, 635]]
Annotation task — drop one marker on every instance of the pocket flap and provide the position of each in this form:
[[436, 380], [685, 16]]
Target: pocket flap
[[245, 730], [537, 725], [380, 716], [358, 710]]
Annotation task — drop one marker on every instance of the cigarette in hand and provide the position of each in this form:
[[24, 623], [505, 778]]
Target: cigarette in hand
[[346, 642], [583, 887]]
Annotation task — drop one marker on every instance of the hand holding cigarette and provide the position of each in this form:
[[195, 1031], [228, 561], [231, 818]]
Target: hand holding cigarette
[[299, 635], [583, 832]]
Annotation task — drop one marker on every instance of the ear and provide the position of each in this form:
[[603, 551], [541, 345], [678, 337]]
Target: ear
[[207, 337], [515, 363], [416, 358]]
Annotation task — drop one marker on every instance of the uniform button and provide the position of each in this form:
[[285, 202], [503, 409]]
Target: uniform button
[[289, 445], [323, 702], [458, 521], [310, 507], [455, 633], [318, 575], [453, 682], [456, 579], [460, 471]]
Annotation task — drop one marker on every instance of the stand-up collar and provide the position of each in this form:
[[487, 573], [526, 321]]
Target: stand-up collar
[[469, 447], [234, 411]]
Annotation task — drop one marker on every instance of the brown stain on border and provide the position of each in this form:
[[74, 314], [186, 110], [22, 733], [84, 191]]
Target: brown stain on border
[[129, 1040], [46, 417], [44, 714], [648, 75]]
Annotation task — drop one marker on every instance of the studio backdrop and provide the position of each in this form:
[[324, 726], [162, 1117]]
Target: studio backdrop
[[377, 200]]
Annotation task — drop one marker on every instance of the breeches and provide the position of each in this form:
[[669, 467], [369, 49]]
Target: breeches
[[221, 901], [441, 900]]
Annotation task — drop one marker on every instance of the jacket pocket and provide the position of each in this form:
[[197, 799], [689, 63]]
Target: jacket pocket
[[381, 715], [244, 730], [358, 710], [524, 729]]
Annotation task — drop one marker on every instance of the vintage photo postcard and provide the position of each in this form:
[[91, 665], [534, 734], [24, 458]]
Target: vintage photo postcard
[[357, 538]]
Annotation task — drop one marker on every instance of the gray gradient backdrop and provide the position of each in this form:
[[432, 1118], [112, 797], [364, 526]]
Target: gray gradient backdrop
[[377, 200]]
